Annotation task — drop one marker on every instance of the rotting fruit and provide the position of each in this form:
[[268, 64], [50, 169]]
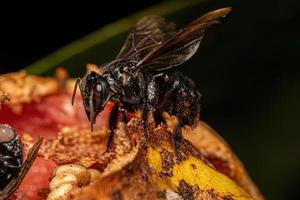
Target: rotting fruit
[[134, 168]]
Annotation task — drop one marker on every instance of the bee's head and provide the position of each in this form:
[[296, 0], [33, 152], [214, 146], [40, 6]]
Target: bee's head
[[7, 133], [95, 93]]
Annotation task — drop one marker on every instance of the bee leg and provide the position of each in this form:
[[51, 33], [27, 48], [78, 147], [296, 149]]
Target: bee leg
[[145, 114], [159, 119], [178, 141], [112, 125], [180, 145], [124, 116]]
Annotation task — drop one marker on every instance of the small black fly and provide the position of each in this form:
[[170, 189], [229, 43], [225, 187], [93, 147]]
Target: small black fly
[[12, 167], [143, 77]]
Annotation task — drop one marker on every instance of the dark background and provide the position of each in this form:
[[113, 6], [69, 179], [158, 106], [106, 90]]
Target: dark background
[[246, 69]]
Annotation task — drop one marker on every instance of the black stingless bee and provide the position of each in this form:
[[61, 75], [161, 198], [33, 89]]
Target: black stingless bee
[[143, 77], [12, 167]]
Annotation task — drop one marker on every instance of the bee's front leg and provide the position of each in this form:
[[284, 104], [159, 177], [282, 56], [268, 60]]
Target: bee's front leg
[[123, 115], [112, 125]]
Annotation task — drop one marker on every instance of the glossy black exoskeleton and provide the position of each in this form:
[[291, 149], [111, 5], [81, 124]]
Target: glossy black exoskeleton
[[11, 154], [143, 77], [12, 167]]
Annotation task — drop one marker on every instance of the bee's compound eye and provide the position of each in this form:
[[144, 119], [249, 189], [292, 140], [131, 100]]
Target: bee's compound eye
[[6, 133], [98, 87]]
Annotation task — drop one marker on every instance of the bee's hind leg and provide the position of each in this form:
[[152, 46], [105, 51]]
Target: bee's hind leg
[[181, 146], [178, 141]]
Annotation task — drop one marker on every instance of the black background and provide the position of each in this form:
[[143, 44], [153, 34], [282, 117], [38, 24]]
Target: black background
[[30, 32], [247, 70]]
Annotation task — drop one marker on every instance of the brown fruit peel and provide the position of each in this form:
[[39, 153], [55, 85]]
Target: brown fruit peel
[[156, 169]]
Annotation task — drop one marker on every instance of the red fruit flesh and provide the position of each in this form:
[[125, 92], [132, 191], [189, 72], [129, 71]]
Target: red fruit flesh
[[46, 118], [35, 184]]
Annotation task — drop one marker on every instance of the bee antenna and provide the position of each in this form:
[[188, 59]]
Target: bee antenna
[[78, 80], [92, 114]]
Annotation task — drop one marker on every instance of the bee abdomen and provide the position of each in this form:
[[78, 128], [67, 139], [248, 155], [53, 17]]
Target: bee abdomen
[[176, 94]]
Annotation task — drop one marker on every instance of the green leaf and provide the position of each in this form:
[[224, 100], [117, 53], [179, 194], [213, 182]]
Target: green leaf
[[102, 45]]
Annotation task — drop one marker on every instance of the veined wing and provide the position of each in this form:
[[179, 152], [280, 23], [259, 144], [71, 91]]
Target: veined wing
[[148, 33], [181, 46]]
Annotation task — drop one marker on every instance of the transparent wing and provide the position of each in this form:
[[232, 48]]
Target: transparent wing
[[182, 45], [148, 33], [8, 191]]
